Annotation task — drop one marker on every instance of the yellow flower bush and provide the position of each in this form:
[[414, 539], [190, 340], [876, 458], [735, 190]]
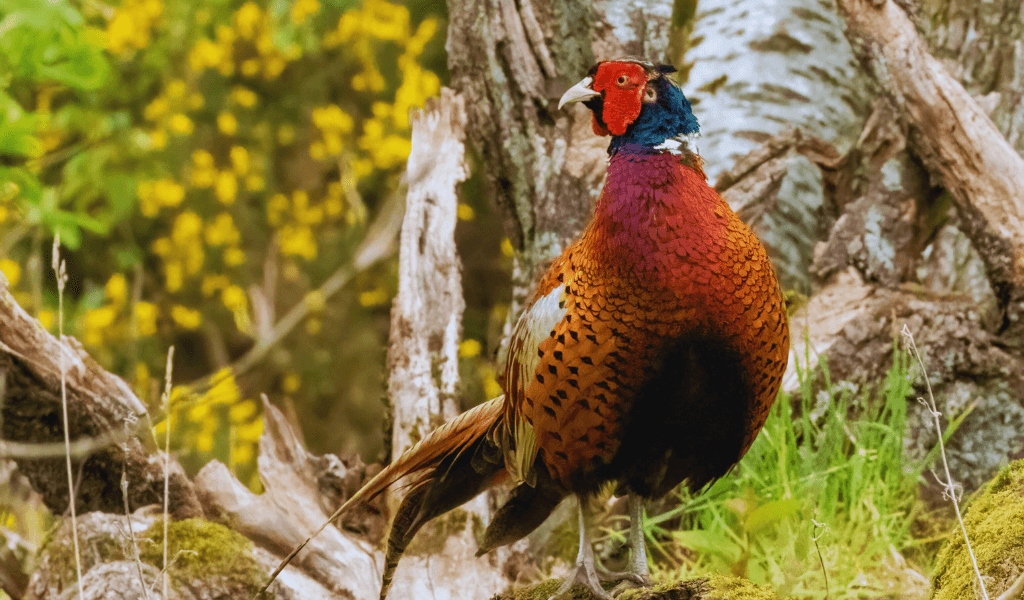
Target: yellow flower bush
[[131, 25], [243, 178]]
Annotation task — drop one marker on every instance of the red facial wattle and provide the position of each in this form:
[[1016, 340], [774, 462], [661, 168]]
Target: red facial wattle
[[622, 85]]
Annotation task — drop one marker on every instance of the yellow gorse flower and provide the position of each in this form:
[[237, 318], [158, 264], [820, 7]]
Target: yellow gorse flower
[[248, 19], [185, 317], [11, 270], [145, 318], [226, 187], [302, 9], [129, 29], [221, 231], [116, 289]]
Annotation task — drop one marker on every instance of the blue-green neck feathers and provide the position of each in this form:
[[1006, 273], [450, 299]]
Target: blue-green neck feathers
[[668, 117]]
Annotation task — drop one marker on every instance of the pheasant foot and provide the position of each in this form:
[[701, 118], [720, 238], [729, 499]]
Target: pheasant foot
[[585, 572], [586, 575], [629, 581], [636, 573]]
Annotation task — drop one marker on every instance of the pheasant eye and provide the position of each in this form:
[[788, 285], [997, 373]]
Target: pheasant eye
[[650, 95], [622, 81]]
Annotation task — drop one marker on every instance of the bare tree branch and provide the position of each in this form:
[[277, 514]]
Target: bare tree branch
[[958, 142]]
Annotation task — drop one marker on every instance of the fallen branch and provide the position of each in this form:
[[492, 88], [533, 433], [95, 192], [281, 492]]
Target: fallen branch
[[98, 403], [958, 142]]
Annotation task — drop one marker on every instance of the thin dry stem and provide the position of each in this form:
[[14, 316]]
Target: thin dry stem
[[61, 275], [78, 449], [163, 573], [165, 400], [128, 423], [821, 560], [949, 487]]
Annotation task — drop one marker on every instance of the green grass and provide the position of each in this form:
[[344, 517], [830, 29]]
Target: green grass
[[829, 453]]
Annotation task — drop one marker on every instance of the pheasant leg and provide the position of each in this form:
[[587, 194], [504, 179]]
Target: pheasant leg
[[636, 573], [585, 572]]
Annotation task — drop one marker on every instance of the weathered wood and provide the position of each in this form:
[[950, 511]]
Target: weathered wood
[[288, 511], [426, 315], [100, 405], [982, 45], [958, 142], [855, 323], [423, 360]]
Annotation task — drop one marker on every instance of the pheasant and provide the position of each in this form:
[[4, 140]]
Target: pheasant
[[648, 356]]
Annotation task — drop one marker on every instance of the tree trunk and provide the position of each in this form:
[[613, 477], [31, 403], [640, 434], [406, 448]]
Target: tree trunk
[[958, 142], [423, 357], [896, 255], [752, 78], [511, 61]]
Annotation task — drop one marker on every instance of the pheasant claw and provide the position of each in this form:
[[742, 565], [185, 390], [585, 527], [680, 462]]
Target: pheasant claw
[[585, 572], [586, 575]]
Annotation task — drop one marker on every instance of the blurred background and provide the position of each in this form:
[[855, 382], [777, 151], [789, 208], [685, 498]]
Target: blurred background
[[208, 166]]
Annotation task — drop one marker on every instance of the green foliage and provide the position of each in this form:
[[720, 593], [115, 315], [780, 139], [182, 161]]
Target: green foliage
[[47, 47], [207, 166], [832, 455], [47, 42]]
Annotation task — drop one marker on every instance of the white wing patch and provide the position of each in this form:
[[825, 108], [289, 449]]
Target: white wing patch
[[534, 326]]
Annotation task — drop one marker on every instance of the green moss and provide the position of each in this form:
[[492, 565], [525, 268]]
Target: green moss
[[995, 525], [543, 591], [430, 539], [201, 549], [59, 551], [734, 588], [699, 588]]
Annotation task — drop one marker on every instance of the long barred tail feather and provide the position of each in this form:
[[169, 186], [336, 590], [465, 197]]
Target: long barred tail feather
[[443, 470]]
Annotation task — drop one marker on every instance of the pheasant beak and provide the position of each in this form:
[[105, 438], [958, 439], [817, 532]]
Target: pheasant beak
[[579, 92]]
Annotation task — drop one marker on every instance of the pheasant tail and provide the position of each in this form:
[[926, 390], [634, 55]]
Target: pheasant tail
[[444, 470]]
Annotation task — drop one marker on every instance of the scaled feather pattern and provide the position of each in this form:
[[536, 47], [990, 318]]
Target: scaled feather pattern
[[649, 354]]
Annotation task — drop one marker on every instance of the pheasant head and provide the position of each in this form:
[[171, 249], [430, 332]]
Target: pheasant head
[[635, 102]]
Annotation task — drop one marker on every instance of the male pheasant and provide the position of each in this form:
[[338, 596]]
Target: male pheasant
[[649, 354]]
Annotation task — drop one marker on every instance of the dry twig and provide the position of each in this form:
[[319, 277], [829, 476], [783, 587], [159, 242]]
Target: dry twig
[[62, 277], [950, 489], [165, 401]]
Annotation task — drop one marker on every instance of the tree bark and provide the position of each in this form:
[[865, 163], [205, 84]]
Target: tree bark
[[958, 143], [512, 61], [895, 256], [426, 315]]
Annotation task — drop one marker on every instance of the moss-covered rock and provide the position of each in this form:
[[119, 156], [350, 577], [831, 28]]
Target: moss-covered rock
[[99, 541], [207, 560], [201, 550], [994, 520], [698, 588]]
